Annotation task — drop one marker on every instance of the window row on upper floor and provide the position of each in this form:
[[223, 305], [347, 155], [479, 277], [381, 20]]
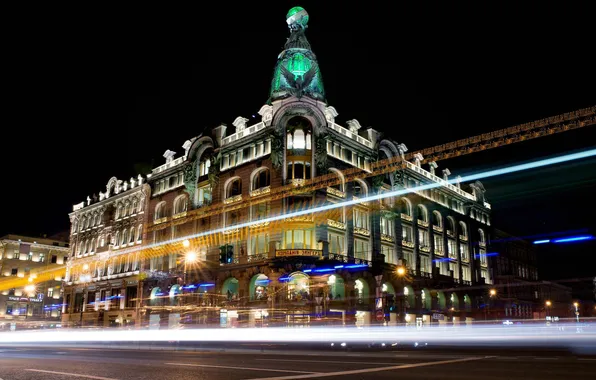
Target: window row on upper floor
[[123, 238], [169, 183], [248, 153]]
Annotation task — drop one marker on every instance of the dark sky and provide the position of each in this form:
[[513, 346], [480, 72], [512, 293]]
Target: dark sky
[[102, 91]]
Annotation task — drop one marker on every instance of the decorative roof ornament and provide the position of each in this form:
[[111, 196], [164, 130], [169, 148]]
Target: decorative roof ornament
[[354, 125], [297, 71], [330, 114], [240, 123], [169, 155]]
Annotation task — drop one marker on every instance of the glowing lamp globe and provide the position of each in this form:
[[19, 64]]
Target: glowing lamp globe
[[297, 15]]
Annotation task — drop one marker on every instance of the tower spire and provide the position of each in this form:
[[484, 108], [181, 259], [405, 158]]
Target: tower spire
[[297, 71]]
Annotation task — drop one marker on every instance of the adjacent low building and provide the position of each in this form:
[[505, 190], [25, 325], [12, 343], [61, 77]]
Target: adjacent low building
[[20, 258]]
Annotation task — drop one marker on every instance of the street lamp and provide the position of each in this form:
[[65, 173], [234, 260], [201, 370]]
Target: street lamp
[[401, 271], [186, 243], [492, 292], [576, 304], [190, 257], [548, 305]]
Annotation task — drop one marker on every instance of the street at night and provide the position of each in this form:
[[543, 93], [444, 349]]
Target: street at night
[[272, 191], [277, 364]]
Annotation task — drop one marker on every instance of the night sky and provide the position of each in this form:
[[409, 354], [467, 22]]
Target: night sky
[[101, 92]]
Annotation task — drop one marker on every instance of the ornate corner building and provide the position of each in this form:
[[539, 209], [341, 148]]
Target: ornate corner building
[[222, 245]]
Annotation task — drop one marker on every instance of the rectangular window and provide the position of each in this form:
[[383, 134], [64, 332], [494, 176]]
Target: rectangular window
[[259, 244], [247, 154], [406, 233], [336, 243], [452, 248], [14, 271], [425, 264], [463, 248], [50, 292], [423, 239], [361, 249], [54, 259], [438, 244]]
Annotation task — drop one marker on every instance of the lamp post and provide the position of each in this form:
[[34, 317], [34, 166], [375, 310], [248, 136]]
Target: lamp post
[[189, 258], [576, 305], [401, 274], [548, 304], [492, 293]]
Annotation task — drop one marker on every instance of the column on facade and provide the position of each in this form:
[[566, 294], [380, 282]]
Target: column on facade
[[375, 234], [123, 296], [456, 231], [431, 237], [445, 243], [416, 248], [321, 230], [349, 212]]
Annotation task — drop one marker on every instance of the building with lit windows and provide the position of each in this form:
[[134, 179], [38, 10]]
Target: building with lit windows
[[102, 276], [21, 257], [339, 265]]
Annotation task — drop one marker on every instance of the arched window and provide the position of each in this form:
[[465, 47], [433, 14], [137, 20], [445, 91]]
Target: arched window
[[75, 225], [119, 211], [92, 246], [134, 207], [481, 236], [140, 233], [405, 206], [341, 184], [160, 210], [180, 204], [450, 226], [463, 230], [131, 238], [124, 237], [261, 179], [422, 213], [437, 219], [360, 189], [234, 188], [127, 209]]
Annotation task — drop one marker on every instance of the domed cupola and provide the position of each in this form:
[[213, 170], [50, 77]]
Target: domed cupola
[[297, 71]]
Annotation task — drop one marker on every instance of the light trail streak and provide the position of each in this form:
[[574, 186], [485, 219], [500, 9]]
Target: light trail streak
[[394, 193], [524, 334]]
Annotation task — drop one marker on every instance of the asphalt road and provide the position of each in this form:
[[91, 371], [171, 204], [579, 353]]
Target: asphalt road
[[63, 363]]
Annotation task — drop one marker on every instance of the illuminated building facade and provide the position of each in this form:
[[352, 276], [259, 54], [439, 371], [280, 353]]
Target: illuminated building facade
[[20, 256], [102, 275], [313, 267]]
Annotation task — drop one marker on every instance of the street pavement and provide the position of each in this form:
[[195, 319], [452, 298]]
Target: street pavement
[[62, 363]]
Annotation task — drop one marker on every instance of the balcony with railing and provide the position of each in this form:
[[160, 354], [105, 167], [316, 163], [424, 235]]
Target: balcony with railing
[[234, 199], [243, 133], [361, 231], [349, 260], [168, 165], [352, 135], [336, 224], [439, 180], [261, 191], [387, 238], [406, 217], [406, 243], [337, 193]]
